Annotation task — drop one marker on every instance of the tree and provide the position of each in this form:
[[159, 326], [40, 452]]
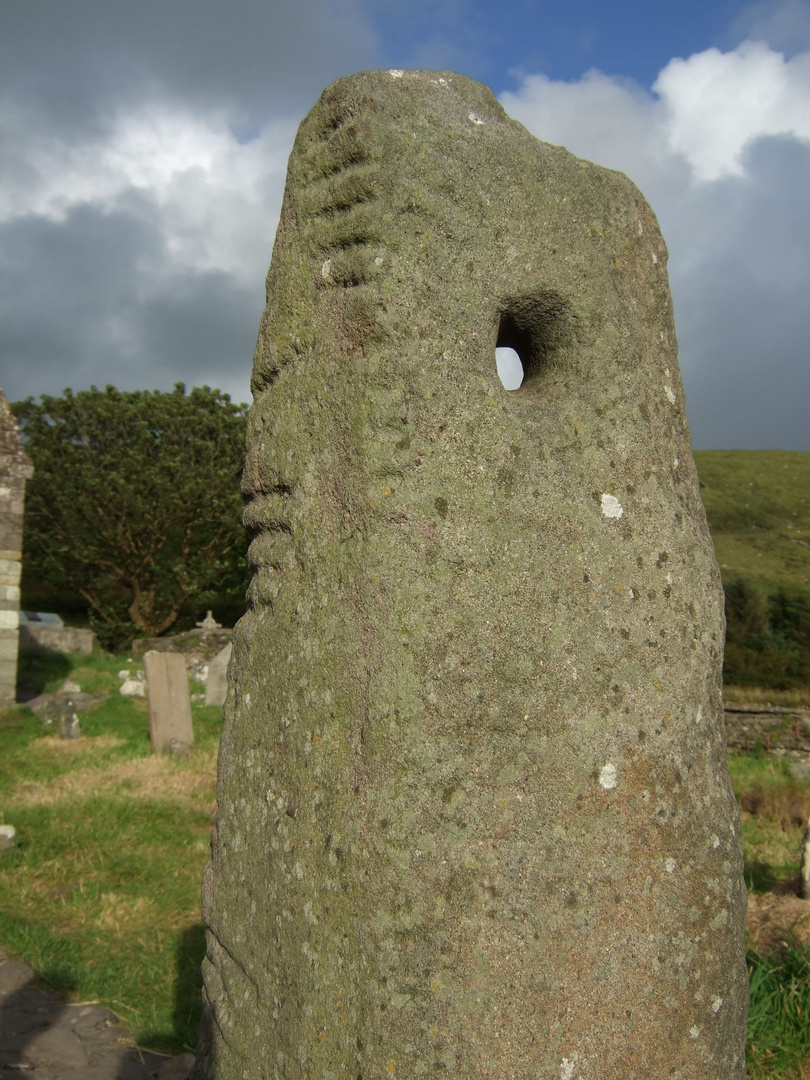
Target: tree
[[135, 501]]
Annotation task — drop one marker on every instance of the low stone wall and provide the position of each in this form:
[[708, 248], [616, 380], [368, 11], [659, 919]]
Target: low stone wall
[[768, 727], [61, 639], [191, 642]]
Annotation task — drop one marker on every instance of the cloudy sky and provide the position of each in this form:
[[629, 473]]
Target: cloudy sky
[[143, 148]]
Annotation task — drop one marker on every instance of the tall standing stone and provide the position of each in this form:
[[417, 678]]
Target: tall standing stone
[[474, 814], [15, 469]]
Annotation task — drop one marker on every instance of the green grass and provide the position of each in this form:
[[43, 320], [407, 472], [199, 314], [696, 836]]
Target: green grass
[[758, 506], [779, 1013], [102, 893], [774, 807]]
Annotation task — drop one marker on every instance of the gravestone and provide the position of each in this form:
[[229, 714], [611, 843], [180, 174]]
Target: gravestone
[[216, 683], [169, 701], [474, 813], [15, 469]]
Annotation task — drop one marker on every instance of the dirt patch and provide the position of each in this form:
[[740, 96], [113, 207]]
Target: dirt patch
[[789, 806], [158, 777], [777, 919]]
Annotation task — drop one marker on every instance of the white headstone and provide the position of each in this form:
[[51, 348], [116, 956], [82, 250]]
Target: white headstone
[[169, 702], [216, 685]]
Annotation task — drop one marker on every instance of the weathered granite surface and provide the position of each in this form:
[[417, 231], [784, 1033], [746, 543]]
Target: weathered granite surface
[[474, 814]]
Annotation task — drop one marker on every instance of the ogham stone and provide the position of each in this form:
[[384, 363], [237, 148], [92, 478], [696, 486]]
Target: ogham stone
[[474, 813]]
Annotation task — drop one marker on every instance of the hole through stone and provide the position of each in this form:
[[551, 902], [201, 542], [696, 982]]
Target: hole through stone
[[531, 330], [510, 369]]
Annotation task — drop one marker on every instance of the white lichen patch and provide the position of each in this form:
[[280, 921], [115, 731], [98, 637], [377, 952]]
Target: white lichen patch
[[567, 1067], [670, 394], [608, 776], [326, 270], [396, 73], [670, 864], [611, 507], [720, 919], [694, 1032], [716, 1003], [476, 119]]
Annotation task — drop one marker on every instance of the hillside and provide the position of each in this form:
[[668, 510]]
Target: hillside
[[758, 506]]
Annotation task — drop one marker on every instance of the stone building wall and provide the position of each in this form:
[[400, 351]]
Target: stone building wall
[[15, 469]]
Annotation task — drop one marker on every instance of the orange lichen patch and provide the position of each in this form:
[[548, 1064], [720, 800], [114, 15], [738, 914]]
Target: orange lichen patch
[[158, 777], [776, 919]]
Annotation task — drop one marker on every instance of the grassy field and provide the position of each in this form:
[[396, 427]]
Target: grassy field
[[775, 807], [758, 506], [102, 894]]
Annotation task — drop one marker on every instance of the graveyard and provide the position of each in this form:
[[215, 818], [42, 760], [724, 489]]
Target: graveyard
[[101, 892]]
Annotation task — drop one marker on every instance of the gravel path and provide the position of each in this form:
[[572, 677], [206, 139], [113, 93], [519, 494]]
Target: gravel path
[[46, 1036]]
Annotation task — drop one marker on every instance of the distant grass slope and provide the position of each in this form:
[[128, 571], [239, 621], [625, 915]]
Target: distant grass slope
[[758, 505]]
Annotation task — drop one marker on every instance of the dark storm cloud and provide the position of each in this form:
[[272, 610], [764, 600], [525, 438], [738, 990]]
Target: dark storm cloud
[[74, 61], [743, 319], [93, 287], [205, 328], [63, 289], [89, 300], [784, 24]]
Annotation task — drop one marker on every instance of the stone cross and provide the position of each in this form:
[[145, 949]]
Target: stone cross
[[474, 813], [15, 469], [208, 624]]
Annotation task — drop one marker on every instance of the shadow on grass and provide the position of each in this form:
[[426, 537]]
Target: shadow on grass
[[759, 876], [38, 668], [187, 1011]]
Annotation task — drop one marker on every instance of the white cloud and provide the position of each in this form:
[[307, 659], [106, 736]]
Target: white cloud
[[703, 112], [206, 188], [716, 103]]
